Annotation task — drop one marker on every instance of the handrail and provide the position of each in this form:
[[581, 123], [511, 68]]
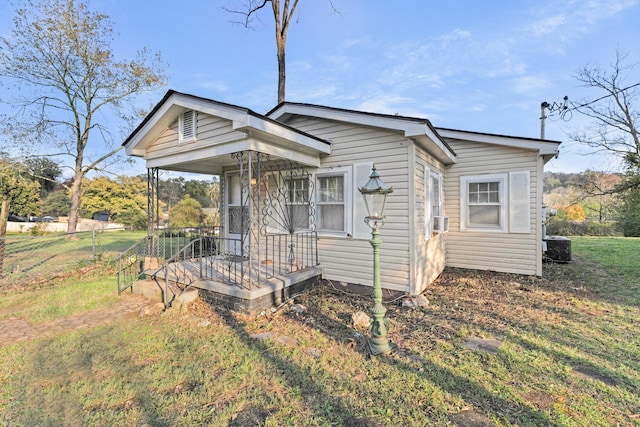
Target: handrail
[[182, 275], [190, 255], [128, 273]]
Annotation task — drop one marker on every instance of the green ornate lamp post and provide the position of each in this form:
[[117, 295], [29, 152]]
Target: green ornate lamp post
[[375, 193]]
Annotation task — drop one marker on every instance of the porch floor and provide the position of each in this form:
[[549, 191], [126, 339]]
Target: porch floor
[[268, 291]]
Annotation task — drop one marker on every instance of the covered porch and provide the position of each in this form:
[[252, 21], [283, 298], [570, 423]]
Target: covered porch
[[265, 248]]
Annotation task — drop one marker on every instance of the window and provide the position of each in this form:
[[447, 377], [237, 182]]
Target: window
[[436, 197], [339, 207], [237, 215], [330, 203], [187, 126], [484, 202], [297, 202], [432, 199]]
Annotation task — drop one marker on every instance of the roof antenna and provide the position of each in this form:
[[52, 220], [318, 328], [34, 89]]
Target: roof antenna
[[560, 109]]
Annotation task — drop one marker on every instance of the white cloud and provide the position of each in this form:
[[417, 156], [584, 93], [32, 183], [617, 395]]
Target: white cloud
[[548, 25], [385, 104], [530, 84]]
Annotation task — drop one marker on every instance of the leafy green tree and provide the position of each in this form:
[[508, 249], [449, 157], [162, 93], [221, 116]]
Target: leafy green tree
[[68, 89], [197, 189], [186, 213], [213, 192], [125, 199], [46, 172], [57, 203], [171, 190], [630, 221], [23, 194], [630, 210]]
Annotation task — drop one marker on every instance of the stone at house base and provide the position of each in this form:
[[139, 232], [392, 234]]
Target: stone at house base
[[152, 310], [360, 320], [415, 302], [297, 308], [182, 301], [149, 289]]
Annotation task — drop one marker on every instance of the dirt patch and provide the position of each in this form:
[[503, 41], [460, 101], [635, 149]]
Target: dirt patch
[[581, 371], [249, 416], [471, 418], [539, 399]]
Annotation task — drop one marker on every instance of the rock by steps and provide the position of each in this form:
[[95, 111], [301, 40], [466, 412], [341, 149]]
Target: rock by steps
[[150, 290]]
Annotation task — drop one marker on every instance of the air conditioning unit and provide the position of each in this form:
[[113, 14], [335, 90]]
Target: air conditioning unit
[[440, 224]]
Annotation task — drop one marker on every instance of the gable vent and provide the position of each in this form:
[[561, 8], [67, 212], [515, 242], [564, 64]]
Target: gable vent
[[187, 126]]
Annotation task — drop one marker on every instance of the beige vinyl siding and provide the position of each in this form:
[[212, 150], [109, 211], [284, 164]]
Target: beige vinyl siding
[[210, 131], [497, 251], [429, 259], [347, 259]]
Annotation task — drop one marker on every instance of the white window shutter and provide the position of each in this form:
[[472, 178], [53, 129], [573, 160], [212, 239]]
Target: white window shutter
[[427, 203], [361, 172], [519, 202]]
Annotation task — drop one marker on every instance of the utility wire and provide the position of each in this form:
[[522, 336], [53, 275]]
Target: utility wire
[[603, 97]]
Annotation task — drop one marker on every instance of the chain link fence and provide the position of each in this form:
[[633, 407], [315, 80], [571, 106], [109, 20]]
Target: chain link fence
[[33, 258]]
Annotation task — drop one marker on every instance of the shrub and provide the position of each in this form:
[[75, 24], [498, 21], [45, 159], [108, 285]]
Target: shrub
[[39, 229], [564, 227]]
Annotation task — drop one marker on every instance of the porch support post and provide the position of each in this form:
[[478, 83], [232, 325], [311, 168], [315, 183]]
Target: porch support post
[[152, 209], [250, 224]]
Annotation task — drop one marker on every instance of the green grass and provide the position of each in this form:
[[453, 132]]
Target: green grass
[[619, 256], [88, 289], [29, 256], [172, 370]]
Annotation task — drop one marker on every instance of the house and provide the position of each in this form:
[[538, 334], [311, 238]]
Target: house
[[291, 204]]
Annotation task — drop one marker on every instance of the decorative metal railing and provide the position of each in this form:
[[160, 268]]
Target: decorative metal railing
[[223, 260], [207, 256], [131, 263], [154, 250]]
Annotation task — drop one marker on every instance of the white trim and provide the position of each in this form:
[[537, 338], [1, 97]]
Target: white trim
[[543, 147], [347, 173], [427, 201], [428, 206], [502, 179], [242, 120], [418, 129]]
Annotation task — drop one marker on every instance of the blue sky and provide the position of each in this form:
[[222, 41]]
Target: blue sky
[[475, 65]]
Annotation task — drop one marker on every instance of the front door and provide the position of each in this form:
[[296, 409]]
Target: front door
[[236, 215]]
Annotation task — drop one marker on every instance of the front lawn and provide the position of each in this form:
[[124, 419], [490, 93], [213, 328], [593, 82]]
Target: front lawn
[[569, 355]]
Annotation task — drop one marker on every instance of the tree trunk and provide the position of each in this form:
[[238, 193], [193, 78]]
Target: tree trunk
[[4, 215], [74, 211], [282, 75]]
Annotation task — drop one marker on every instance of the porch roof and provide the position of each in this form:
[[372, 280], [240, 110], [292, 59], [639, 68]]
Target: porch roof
[[251, 131]]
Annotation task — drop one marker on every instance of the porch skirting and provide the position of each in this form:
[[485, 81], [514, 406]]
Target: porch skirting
[[272, 292]]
